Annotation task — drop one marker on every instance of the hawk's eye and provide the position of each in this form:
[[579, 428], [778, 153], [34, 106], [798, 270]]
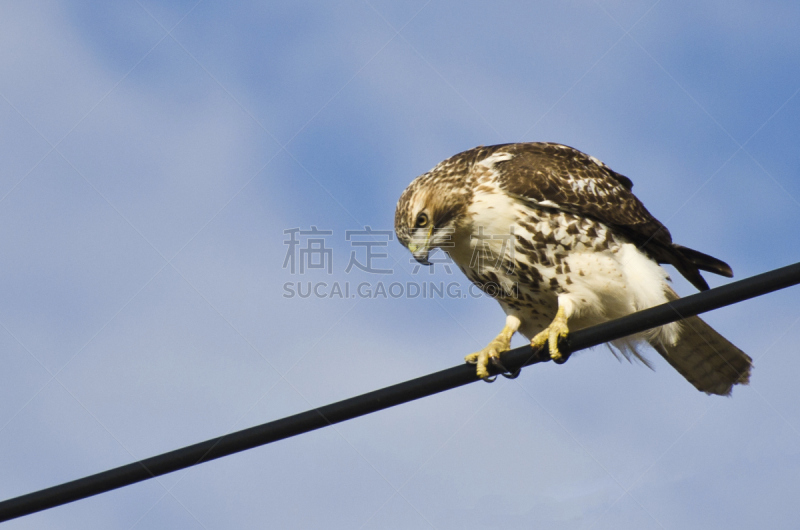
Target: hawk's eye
[[422, 221]]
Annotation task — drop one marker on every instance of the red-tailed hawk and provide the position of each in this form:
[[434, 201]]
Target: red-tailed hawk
[[561, 242]]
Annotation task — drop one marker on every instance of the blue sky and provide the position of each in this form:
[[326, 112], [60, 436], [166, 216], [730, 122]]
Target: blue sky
[[154, 153]]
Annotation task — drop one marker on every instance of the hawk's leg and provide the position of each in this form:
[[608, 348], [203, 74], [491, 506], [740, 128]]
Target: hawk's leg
[[556, 330], [491, 353]]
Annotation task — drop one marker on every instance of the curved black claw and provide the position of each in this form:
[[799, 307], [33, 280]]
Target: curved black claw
[[505, 372], [565, 352]]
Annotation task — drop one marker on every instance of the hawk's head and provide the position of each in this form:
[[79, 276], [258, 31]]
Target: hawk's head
[[431, 209]]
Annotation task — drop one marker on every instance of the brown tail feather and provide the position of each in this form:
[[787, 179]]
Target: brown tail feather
[[705, 358]]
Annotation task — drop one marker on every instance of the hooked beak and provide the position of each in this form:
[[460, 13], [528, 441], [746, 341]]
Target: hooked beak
[[419, 247]]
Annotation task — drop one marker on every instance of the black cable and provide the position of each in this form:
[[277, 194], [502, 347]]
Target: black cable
[[390, 396]]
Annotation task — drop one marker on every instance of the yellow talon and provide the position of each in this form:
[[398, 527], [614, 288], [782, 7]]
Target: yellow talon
[[491, 352], [551, 334]]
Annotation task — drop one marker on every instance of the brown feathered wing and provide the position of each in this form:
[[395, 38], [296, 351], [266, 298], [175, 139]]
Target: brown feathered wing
[[567, 179]]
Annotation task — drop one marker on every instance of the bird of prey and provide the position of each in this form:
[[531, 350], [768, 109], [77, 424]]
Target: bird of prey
[[561, 242]]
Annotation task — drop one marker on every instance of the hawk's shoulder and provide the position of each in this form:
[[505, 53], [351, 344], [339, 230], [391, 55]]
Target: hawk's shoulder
[[566, 163]]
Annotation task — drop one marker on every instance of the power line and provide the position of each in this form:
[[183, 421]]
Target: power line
[[390, 396]]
